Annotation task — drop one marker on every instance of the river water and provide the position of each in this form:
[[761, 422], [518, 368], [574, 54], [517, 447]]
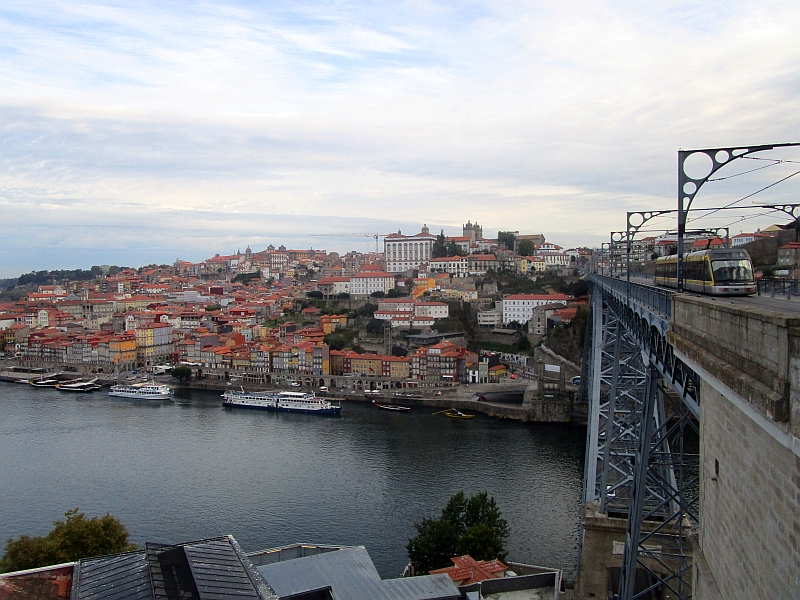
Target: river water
[[190, 469]]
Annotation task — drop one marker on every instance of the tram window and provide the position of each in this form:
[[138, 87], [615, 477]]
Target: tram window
[[732, 270], [707, 271]]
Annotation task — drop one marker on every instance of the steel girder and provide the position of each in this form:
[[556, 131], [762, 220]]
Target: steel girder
[[636, 460], [616, 388]]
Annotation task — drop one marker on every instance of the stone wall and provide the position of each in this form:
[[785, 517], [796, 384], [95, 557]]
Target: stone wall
[[749, 531], [748, 357]]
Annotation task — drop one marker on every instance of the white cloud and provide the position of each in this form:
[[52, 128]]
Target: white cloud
[[546, 116]]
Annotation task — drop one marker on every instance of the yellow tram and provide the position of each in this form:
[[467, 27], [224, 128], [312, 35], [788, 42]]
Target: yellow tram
[[717, 271]]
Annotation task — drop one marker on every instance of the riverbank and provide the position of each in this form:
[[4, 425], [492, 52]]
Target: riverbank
[[513, 401]]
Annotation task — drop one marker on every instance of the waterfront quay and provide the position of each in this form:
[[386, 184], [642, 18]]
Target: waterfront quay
[[518, 400]]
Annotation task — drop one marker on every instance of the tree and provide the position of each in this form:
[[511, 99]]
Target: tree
[[526, 248], [439, 246], [375, 326], [471, 526], [377, 294], [182, 372], [397, 292], [507, 239], [73, 538], [314, 295], [453, 249]]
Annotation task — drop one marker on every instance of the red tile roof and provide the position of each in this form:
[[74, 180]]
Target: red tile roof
[[467, 570]]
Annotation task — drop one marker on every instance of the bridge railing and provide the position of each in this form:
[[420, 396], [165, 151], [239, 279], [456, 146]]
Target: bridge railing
[[657, 299], [778, 287]]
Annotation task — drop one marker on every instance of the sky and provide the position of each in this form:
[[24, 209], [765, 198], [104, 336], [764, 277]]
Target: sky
[[135, 132]]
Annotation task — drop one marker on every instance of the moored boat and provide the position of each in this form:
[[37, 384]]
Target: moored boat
[[395, 407], [301, 402], [44, 382], [454, 413], [79, 386], [141, 391]]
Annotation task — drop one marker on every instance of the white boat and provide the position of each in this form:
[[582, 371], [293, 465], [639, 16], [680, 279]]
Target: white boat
[[80, 386], [281, 401], [394, 407], [142, 391], [44, 382]]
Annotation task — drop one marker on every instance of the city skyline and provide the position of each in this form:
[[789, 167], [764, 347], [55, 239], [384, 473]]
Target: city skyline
[[133, 134]]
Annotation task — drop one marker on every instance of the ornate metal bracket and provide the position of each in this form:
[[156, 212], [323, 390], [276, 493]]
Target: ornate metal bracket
[[689, 184]]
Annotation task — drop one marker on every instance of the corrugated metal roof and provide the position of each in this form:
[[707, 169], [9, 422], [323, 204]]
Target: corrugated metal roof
[[218, 571], [121, 576], [214, 569], [351, 575]]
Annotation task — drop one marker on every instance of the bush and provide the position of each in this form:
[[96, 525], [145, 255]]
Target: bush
[[72, 539]]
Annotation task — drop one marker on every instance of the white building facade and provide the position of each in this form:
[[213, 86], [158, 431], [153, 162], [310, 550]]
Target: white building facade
[[367, 282], [519, 307], [404, 252]]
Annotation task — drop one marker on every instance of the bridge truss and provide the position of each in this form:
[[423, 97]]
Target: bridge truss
[[641, 458]]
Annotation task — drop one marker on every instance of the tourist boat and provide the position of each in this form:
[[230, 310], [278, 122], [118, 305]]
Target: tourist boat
[[44, 382], [142, 391], [395, 407], [454, 414], [302, 402], [80, 386]]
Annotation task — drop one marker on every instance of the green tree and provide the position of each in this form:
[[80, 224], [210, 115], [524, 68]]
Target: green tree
[[507, 239], [73, 538], [526, 248], [439, 246], [375, 326], [471, 526], [182, 372]]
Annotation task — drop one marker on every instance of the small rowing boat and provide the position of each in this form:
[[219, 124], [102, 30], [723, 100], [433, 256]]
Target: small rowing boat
[[454, 413], [395, 407]]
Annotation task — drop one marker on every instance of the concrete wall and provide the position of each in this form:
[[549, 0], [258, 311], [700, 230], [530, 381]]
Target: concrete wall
[[748, 357]]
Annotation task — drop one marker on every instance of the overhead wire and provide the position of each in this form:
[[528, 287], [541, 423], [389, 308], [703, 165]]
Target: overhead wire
[[731, 204]]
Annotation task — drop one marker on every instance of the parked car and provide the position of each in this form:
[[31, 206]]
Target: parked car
[[576, 381]]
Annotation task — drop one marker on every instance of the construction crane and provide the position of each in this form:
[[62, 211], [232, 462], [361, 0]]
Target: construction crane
[[353, 235]]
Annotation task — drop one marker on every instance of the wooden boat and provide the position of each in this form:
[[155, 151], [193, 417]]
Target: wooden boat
[[457, 414], [454, 413], [395, 407]]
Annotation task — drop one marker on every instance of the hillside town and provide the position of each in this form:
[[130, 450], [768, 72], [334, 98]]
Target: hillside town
[[288, 316], [278, 315]]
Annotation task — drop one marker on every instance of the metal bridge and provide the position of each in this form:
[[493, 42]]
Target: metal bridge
[[643, 414], [644, 400]]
